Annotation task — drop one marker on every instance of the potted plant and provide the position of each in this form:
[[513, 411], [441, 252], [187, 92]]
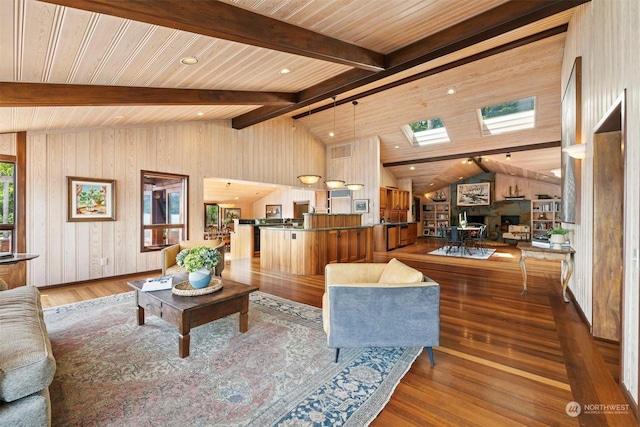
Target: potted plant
[[199, 261], [557, 236]]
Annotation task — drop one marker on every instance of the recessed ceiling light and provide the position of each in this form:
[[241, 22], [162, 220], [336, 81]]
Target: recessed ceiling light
[[412, 168], [397, 146], [451, 91], [120, 117], [285, 71], [431, 183], [189, 60], [200, 113], [332, 134]]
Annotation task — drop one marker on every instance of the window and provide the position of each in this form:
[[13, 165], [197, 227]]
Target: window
[[508, 117], [426, 132], [164, 209], [7, 206]]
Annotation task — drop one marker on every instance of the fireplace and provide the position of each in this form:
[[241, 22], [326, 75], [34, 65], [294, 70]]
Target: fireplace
[[507, 220], [477, 219]]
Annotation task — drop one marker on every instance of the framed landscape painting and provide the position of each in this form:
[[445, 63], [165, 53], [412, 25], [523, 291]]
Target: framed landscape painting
[[361, 205], [232, 213], [91, 199], [477, 194], [273, 211]]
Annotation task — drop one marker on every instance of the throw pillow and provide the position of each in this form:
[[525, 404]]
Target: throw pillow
[[397, 272]]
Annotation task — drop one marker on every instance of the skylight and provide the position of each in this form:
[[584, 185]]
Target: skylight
[[426, 132], [508, 117]]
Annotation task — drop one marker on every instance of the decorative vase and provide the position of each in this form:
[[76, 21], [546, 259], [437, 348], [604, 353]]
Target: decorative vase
[[200, 278], [557, 240]]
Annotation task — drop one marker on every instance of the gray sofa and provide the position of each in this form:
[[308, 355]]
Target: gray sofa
[[27, 365], [380, 305]]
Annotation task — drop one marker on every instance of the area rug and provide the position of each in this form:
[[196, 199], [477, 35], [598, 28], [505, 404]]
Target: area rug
[[464, 253], [110, 371]]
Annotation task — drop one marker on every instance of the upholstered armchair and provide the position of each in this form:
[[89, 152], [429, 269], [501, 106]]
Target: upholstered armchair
[[170, 253], [380, 305]]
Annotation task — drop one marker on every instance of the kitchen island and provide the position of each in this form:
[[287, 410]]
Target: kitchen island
[[308, 250]]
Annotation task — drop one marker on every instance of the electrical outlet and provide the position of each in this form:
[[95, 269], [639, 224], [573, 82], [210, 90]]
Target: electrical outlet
[[104, 261]]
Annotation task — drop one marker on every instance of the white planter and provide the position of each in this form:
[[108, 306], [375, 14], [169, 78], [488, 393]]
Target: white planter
[[557, 240], [200, 278]]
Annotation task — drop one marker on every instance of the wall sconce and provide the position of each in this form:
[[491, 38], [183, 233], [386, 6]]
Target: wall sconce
[[354, 187], [334, 183], [508, 156], [577, 151], [309, 179]]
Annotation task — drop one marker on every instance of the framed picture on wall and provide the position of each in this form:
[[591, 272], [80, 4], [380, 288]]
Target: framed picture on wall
[[477, 194], [211, 212], [361, 205], [571, 120], [273, 211], [232, 213], [91, 199]]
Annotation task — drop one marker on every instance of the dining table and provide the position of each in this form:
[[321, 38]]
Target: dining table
[[463, 234]]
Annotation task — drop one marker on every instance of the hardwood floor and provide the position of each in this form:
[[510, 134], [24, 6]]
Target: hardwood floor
[[504, 359]]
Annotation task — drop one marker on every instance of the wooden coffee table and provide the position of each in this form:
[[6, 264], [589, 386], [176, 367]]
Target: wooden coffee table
[[188, 312]]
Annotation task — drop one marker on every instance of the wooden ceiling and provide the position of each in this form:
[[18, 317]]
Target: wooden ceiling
[[71, 64]]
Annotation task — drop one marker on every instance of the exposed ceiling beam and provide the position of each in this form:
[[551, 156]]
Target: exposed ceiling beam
[[472, 154], [445, 67], [50, 95], [227, 22], [485, 26]]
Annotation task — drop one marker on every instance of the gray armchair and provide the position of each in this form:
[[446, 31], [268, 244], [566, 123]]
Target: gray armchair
[[380, 305], [170, 253]]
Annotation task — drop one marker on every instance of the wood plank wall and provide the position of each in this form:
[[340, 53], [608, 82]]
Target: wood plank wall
[[607, 36], [362, 167], [71, 251]]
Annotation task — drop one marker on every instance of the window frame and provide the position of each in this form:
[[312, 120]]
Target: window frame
[[148, 187], [11, 227]]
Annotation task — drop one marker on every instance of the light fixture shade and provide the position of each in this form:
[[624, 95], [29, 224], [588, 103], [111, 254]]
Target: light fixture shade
[[334, 183], [354, 187], [577, 151], [309, 179]]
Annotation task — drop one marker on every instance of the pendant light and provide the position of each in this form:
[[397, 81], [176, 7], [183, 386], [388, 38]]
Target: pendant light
[[354, 187], [309, 179]]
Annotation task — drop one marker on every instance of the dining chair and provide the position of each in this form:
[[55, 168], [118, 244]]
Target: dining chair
[[478, 240], [453, 239]]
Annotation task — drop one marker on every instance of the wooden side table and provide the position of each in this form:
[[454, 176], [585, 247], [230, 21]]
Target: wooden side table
[[527, 250]]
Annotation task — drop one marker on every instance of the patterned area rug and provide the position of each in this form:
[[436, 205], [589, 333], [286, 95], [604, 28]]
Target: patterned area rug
[[110, 371], [464, 253]]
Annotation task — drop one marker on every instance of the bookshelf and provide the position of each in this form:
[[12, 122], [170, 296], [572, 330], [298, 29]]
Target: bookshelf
[[435, 218], [545, 214]]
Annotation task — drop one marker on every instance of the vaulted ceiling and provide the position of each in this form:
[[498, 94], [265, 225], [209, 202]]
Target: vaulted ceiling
[[70, 64]]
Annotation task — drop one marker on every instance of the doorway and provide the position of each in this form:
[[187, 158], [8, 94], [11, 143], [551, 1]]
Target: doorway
[[609, 159], [608, 224], [300, 208]]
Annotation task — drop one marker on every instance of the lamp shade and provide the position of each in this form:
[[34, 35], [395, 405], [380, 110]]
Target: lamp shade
[[309, 179], [577, 151], [334, 183]]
